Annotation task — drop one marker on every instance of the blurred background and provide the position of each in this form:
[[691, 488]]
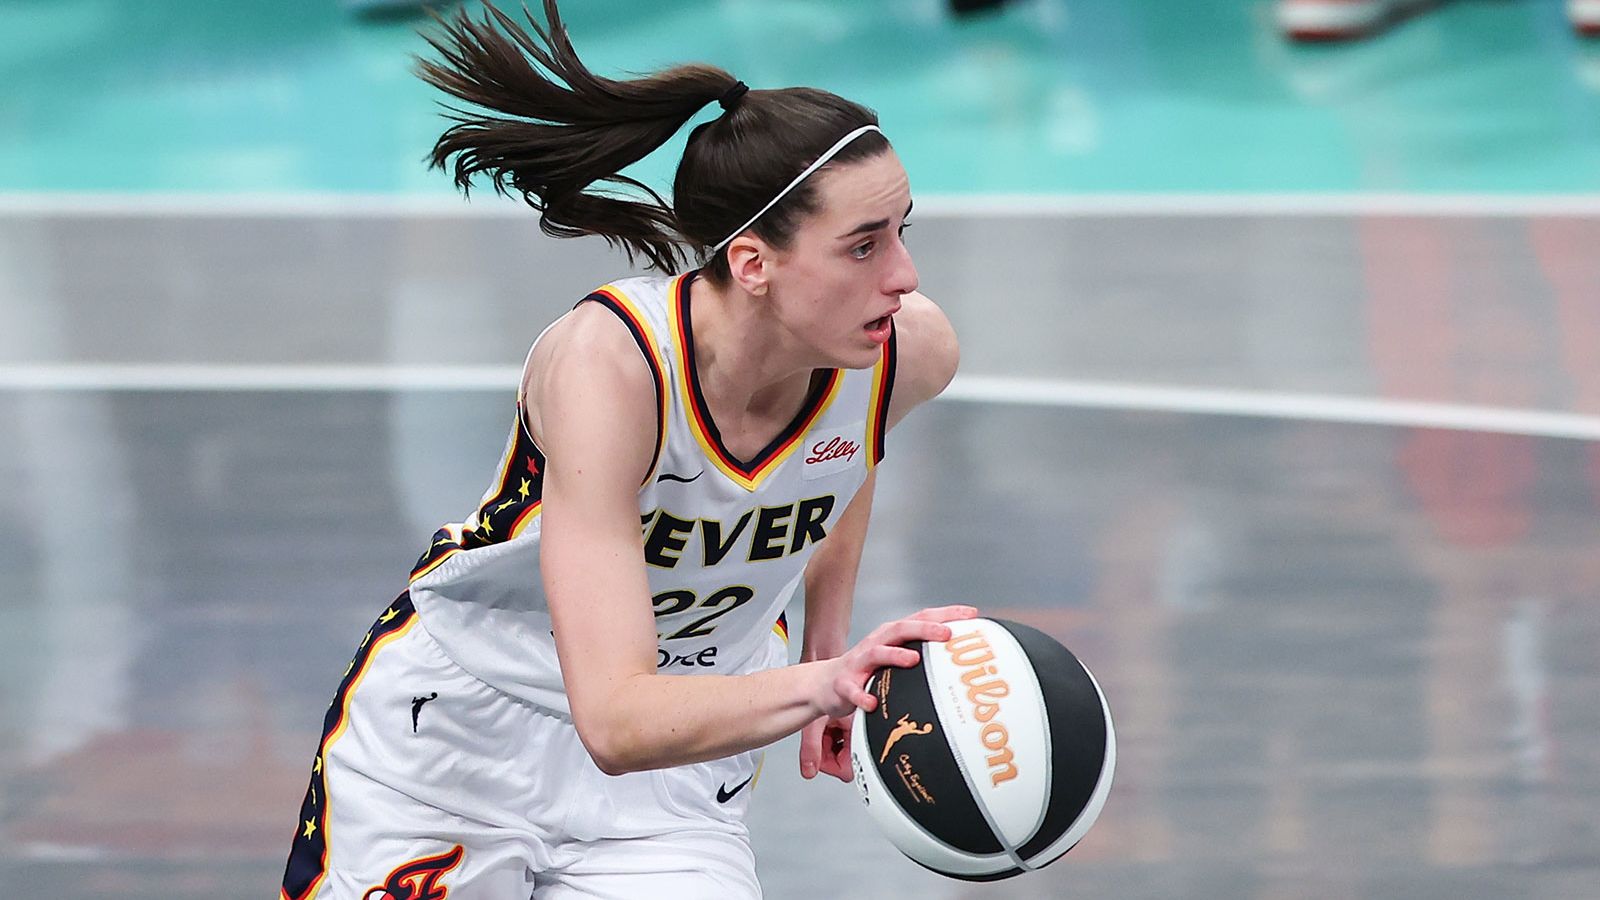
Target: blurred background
[[1279, 405]]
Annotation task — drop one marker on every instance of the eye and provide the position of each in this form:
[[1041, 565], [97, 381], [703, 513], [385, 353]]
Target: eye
[[862, 250]]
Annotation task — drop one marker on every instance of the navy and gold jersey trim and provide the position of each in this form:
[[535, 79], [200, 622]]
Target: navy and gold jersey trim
[[748, 475], [878, 406], [308, 857], [517, 500], [612, 298]]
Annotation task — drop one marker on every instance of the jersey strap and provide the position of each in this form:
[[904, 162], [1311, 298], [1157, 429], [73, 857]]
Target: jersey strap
[[878, 405], [613, 298]]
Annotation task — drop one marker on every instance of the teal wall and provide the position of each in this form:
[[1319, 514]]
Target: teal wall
[[1051, 96]]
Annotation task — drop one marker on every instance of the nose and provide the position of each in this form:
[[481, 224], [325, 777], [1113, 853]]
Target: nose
[[901, 276]]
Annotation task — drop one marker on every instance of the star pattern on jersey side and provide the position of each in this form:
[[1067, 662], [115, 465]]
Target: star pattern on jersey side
[[506, 505], [523, 490], [533, 467], [388, 616], [316, 766], [487, 527], [311, 828]]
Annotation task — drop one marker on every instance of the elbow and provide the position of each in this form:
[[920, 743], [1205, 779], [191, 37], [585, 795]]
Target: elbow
[[952, 361], [939, 347], [949, 354], [603, 749], [613, 746], [611, 767], [610, 761]]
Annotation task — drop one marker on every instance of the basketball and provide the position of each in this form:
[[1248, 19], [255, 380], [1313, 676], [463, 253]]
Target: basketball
[[989, 758]]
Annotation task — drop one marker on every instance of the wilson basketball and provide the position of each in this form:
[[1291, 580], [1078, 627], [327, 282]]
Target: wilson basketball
[[991, 757]]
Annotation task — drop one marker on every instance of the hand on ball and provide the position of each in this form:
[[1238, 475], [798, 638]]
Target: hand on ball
[[825, 743]]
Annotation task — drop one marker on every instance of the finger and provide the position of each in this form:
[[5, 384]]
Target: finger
[[840, 731], [843, 771], [836, 764], [902, 657], [839, 768], [810, 749], [850, 688], [836, 752], [911, 630], [844, 728], [946, 613]]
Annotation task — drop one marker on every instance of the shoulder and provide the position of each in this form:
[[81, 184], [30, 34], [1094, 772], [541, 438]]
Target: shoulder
[[926, 354], [591, 341], [588, 368]]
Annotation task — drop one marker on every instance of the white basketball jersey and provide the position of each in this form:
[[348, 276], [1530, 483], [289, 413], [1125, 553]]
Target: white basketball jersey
[[725, 540]]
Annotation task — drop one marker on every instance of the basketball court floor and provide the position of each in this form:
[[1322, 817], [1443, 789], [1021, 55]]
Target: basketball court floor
[[1310, 481]]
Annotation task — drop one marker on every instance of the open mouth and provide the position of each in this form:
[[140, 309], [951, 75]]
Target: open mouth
[[879, 329], [883, 322]]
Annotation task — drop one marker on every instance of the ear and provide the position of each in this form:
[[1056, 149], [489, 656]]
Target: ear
[[749, 261]]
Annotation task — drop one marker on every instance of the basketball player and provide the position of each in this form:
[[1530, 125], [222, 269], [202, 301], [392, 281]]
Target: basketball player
[[571, 698]]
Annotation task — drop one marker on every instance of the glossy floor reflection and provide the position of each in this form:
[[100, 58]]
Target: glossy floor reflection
[[1345, 661]]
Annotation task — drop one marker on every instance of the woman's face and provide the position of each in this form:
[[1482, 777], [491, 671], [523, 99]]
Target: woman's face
[[841, 278]]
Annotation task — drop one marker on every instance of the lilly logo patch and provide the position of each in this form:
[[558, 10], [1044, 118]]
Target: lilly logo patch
[[827, 452]]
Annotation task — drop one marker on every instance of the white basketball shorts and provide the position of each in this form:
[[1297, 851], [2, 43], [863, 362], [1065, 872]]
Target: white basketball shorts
[[431, 785]]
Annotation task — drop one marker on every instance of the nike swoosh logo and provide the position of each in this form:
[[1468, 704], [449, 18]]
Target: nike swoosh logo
[[724, 795], [667, 476]]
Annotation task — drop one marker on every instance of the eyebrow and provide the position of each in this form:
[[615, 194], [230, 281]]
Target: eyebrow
[[874, 225]]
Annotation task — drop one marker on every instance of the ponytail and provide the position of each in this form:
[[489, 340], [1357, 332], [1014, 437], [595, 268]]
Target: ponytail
[[555, 129]]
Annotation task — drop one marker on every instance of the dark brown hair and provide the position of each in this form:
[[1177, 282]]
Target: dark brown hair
[[554, 130]]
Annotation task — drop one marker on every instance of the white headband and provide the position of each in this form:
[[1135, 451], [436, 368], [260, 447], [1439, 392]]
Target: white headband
[[822, 160]]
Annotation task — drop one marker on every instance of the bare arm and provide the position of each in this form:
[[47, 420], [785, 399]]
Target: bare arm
[[831, 579], [596, 420], [830, 595], [927, 354]]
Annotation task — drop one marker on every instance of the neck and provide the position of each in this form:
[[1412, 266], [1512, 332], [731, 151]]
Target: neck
[[747, 364]]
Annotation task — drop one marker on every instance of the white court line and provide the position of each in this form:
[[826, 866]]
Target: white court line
[[1274, 405], [23, 205], [972, 388], [203, 377], [1231, 205]]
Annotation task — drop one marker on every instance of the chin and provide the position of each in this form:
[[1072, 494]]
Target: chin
[[862, 359]]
